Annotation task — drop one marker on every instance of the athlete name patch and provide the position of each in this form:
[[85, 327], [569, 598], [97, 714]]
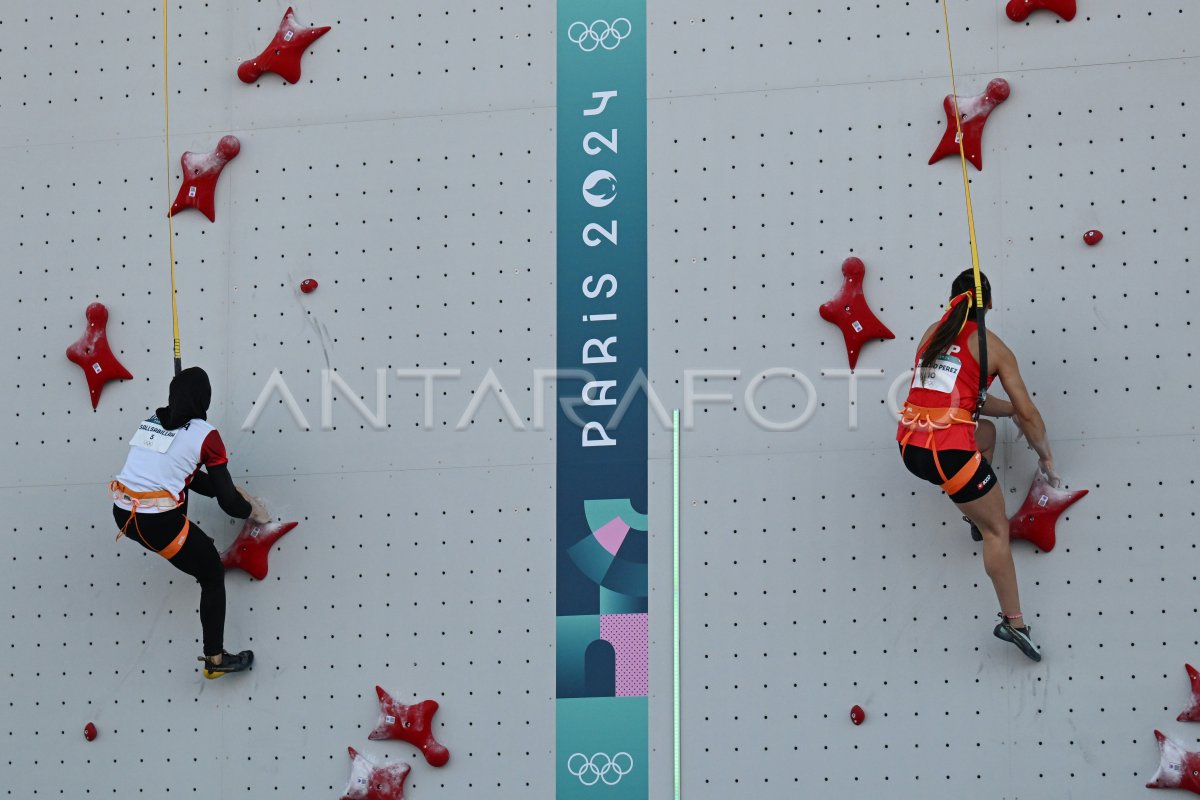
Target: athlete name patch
[[152, 436], [940, 376]]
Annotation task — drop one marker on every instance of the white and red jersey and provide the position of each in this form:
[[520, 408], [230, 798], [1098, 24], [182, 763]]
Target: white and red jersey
[[163, 460]]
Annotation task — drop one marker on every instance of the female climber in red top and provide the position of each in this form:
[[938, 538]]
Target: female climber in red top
[[941, 441]]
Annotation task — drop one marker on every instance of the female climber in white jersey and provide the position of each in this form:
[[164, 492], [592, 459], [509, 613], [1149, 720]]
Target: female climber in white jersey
[[173, 452], [941, 442]]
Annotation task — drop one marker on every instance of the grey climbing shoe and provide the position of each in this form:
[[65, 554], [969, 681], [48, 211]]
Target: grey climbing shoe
[[1021, 637]]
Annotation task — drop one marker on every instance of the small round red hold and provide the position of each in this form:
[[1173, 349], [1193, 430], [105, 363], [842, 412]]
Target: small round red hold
[[857, 715], [1093, 237], [308, 286], [89, 731]]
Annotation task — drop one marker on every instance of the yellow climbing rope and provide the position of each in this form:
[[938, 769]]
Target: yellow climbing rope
[[962, 157], [170, 219]]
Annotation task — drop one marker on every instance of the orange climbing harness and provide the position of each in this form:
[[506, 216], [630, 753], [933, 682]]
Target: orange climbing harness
[[158, 499], [917, 418]]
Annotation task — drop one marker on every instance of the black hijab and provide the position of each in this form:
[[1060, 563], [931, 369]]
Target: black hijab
[[188, 399]]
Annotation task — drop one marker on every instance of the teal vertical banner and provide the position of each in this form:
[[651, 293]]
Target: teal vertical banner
[[602, 639]]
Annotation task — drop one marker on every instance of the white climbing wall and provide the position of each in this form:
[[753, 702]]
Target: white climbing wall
[[411, 172]]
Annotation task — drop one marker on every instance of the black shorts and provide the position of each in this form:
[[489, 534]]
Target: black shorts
[[919, 461]]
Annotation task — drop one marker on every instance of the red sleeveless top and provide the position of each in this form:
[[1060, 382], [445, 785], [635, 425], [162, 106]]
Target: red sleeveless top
[[952, 382]]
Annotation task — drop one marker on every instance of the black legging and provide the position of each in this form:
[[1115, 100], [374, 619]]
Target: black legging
[[198, 557]]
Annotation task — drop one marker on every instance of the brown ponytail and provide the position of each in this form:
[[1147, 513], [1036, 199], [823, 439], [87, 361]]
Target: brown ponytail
[[963, 307]]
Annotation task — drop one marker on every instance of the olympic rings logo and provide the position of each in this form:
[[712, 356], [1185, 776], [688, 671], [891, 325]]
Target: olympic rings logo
[[600, 767], [600, 33]]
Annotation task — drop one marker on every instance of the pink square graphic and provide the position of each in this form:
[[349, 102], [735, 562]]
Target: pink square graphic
[[629, 636]]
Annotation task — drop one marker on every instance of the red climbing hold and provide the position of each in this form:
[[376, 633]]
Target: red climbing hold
[[409, 724], [369, 782], [89, 732], [1177, 768], [857, 715], [1192, 712], [1018, 10], [1034, 521], [200, 173], [1093, 237], [974, 111], [92, 353], [250, 549], [308, 285], [850, 312], [282, 55]]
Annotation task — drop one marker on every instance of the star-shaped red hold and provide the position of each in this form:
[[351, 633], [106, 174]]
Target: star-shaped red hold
[[974, 111], [1018, 10], [1044, 504], [1177, 768], [282, 55], [200, 173], [850, 312], [412, 724], [253, 543], [1192, 712], [371, 782], [92, 353]]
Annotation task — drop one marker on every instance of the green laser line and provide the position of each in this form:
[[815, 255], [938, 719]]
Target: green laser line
[[675, 564]]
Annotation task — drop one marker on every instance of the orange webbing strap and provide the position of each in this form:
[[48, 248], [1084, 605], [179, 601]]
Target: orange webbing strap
[[177, 543], [171, 549], [917, 418], [120, 491], [963, 476], [931, 419]]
